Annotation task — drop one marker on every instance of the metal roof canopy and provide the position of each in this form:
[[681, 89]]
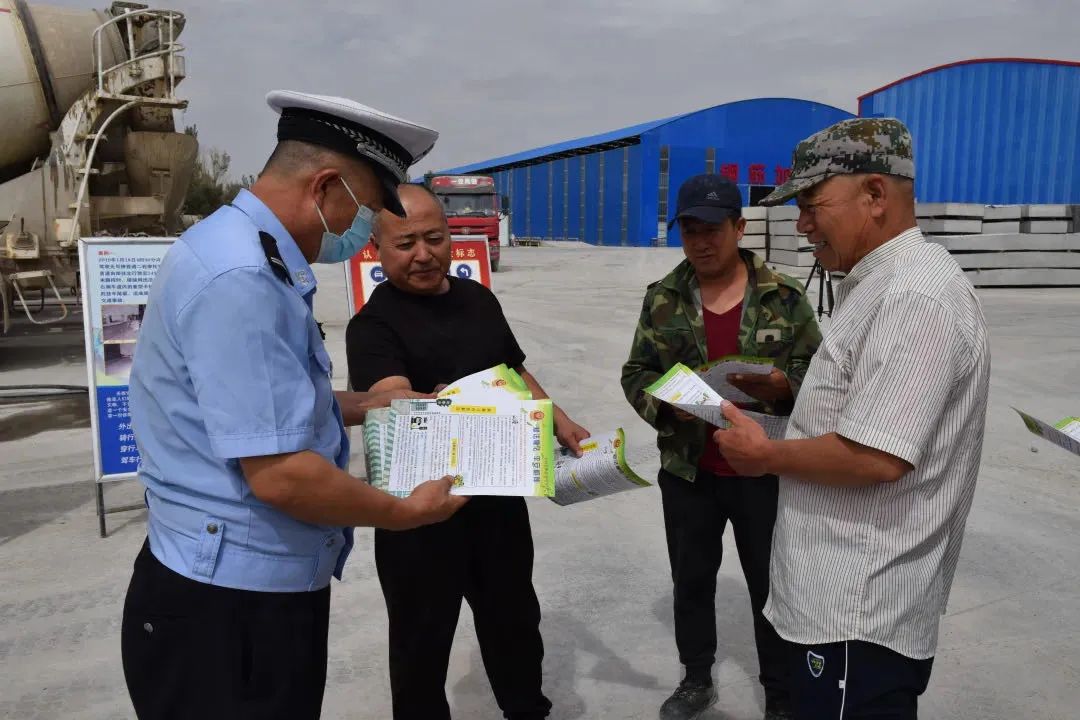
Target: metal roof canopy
[[970, 61], [589, 144], [622, 137]]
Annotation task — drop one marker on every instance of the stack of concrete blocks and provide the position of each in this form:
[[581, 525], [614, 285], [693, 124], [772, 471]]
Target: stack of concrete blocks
[[756, 229], [1044, 253], [950, 218], [1046, 219], [1002, 219], [786, 246]]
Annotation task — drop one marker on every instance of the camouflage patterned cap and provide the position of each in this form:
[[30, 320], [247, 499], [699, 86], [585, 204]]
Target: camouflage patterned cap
[[860, 145]]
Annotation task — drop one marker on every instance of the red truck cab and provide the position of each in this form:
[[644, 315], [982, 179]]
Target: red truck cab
[[472, 207]]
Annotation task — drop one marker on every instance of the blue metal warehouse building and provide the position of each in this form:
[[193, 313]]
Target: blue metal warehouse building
[[618, 188], [993, 131]]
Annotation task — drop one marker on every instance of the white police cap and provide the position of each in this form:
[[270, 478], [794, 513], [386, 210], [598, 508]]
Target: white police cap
[[391, 143]]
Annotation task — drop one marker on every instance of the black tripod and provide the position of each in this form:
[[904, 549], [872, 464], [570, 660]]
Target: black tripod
[[824, 286]]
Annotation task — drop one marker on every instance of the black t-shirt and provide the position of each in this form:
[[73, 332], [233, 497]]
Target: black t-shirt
[[430, 339]]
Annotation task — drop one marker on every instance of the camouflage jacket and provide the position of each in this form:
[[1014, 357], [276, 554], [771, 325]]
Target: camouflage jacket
[[777, 322]]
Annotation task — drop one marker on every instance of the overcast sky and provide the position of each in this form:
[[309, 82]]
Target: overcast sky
[[495, 77]]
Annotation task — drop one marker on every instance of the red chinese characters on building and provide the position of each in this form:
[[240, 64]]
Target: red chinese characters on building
[[757, 174], [782, 175], [730, 171]]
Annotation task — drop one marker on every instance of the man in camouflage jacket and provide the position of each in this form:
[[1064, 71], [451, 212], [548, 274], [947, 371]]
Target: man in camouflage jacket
[[777, 322], [766, 315]]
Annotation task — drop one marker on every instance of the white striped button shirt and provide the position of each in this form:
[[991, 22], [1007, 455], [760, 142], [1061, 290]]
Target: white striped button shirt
[[904, 368]]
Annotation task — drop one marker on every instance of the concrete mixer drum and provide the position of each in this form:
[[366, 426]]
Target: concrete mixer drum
[[88, 141]]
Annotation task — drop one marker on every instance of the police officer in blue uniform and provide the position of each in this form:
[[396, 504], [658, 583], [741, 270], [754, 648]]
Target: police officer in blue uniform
[[250, 510]]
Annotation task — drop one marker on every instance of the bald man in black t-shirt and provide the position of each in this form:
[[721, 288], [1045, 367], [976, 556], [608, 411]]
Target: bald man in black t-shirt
[[419, 331]]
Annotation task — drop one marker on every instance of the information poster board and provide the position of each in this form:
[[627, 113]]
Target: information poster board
[[116, 278], [469, 260]]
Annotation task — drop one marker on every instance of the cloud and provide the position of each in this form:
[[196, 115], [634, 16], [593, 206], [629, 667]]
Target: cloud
[[498, 77]]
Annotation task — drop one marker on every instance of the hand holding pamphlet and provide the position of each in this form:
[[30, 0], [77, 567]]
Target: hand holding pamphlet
[[681, 387], [487, 432]]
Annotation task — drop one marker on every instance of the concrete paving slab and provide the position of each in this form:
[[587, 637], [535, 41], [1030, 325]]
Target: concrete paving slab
[[792, 243], [969, 243], [784, 227], [1000, 227], [950, 227], [1025, 277], [1046, 212], [1045, 226], [1003, 212], [949, 210], [793, 258], [783, 212], [1009, 641]]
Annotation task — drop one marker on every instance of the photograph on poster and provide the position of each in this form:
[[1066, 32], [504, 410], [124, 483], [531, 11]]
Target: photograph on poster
[[118, 360], [121, 323]]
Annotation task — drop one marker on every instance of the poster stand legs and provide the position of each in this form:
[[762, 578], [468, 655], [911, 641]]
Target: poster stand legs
[[103, 510], [100, 496]]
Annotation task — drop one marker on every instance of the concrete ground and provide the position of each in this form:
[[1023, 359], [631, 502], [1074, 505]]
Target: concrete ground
[[1010, 643]]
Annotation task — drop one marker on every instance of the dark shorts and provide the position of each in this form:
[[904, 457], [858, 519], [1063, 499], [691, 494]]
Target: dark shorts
[[856, 680]]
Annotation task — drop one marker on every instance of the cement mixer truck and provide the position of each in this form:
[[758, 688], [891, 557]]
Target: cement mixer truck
[[88, 143]]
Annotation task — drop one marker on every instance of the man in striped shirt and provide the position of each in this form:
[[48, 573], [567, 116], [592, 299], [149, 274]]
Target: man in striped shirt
[[878, 468]]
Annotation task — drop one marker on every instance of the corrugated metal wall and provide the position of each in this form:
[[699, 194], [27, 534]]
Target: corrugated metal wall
[[648, 186], [750, 141], [572, 194], [514, 183], [592, 198], [636, 234], [997, 132], [612, 208], [538, 201], [621, 197]]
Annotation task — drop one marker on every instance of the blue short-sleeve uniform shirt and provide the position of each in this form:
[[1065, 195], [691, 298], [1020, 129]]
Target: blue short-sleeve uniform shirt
[[230, 364]]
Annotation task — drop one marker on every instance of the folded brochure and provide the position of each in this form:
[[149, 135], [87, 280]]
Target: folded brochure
[[683, 388], [601, 470], [715, 375], [488, 432], [500, 379], [1065, 434]]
